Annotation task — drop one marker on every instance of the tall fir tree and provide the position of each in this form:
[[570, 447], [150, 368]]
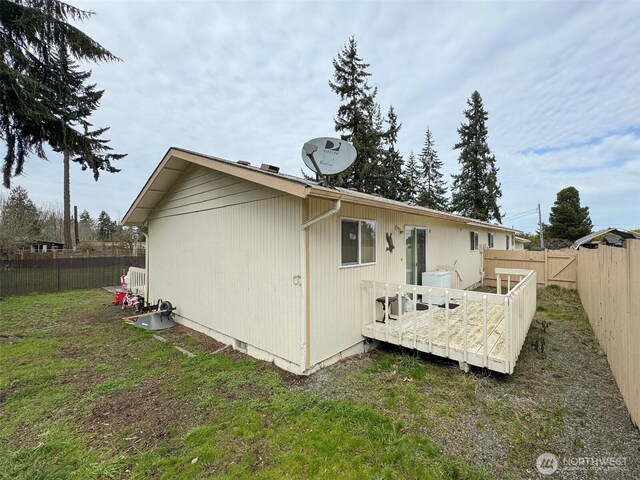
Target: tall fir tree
[[356, 119], [33, 33], [74, 102], [413, 186], [475, 191], [568, 219], [390, 178], [435, 188]]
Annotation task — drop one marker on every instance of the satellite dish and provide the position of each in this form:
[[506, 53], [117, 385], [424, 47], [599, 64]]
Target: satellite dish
[[328, 156]]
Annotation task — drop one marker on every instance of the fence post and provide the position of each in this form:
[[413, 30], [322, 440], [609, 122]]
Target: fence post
[[546, 267], [57, 273]]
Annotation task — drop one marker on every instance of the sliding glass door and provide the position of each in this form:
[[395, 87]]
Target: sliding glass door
[[416, 254]]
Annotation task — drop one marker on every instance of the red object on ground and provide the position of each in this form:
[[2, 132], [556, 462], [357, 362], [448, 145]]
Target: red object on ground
[[120, 294]]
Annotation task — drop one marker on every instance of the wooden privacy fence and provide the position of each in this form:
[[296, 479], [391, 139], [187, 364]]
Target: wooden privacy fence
[[552, 267], [609, 288], [19, 277]]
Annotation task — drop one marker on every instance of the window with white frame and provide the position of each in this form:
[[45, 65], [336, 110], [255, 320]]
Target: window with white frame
[[357, 242], [508, 238], [473, 240], [490, 240]]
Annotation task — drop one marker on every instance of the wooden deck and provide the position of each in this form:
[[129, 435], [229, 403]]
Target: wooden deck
[[484, 329], [432, 336]]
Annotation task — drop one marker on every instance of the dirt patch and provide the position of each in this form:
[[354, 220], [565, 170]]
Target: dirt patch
[[112, 314], [11, 338], [84, 381], [4, 393], [138, 419], [197, 341], [183, 336]]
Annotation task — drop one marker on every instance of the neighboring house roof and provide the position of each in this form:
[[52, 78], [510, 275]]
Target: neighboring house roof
[[46, 242], [522, 240], [176, 161], [613, 241], [588, 238]]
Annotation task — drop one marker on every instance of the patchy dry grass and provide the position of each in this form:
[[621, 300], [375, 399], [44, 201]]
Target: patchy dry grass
[[562, 398], [84, 396]]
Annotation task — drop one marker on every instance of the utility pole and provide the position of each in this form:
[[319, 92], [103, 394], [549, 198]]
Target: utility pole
[[75, 224], [540, 225]]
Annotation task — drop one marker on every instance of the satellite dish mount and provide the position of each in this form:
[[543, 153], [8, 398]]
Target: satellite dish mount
[[328, 156], [309, 149]]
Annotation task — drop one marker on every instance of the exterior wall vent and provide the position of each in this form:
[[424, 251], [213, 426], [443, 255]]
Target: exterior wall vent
[[244, 162], [241, 346], [269, 168]]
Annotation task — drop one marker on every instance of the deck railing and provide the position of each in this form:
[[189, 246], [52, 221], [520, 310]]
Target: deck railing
[[137, 280], [516, 308], [522, 306]]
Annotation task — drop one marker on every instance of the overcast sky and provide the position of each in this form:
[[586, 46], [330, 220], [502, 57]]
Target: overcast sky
[[249, 81]]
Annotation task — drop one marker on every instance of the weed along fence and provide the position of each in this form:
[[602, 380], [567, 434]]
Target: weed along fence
[[18, 277], [481, 329], [553, 267], [609, 288]]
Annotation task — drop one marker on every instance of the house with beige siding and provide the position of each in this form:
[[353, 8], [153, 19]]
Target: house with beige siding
[[277, 266]]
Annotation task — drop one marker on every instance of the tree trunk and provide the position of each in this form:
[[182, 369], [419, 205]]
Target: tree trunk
[[68, 243]]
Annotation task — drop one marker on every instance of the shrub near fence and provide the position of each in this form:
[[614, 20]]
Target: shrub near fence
[[18, 277]]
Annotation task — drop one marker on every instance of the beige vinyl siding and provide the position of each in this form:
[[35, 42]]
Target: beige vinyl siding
[[201, 188], [230, 268], [334, 291]]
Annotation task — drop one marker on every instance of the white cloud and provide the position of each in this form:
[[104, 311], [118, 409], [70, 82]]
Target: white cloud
[[249, 81]]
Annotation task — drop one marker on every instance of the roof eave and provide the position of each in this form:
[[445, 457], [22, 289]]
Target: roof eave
[[267, 179], [345, 196]]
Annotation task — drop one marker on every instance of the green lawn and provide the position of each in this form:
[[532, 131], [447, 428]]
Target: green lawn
[[83, 396]]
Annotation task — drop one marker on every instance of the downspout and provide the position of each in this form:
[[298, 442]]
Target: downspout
[[146, 266], [303, 278]]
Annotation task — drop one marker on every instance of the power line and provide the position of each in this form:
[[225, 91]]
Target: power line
[[521, 213], [525, 214], [637, 224]]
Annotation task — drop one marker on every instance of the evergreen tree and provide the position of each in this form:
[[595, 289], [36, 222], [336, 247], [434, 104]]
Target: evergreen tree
[[390, 178], [34, 34], [412, 181], [106, 227], [476, 190], [19, 221], [435, 189], [86, 227], [568, 220], [75, 101], [356, 119]]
